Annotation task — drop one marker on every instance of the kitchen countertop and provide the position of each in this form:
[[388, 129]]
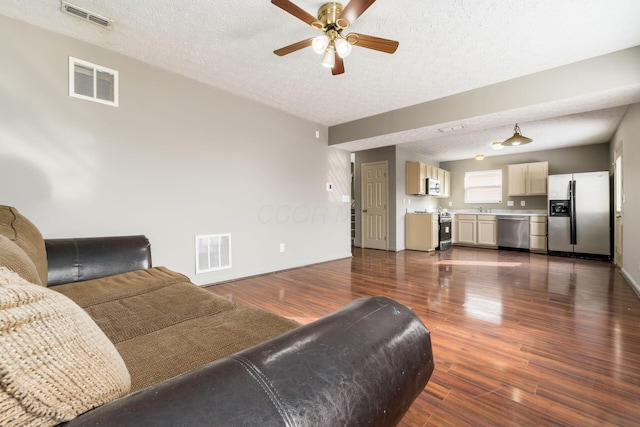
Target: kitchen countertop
[[501, 212], [496, 212]]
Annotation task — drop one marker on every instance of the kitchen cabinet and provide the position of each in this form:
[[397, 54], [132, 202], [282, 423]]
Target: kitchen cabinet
[[418, 172], [466, 229], [476, 230], [416, 175], [487, 230], [527, 179], [421, 231], [445, 183], [538, 233]]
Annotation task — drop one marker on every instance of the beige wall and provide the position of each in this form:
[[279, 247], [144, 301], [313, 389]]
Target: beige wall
[[399, 201], [565, 160], [175, 160], [628, 134]]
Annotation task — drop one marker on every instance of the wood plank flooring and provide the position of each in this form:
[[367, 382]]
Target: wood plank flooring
[[519, 339]]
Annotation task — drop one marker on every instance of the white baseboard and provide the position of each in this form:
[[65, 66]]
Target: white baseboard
[[632, 282]]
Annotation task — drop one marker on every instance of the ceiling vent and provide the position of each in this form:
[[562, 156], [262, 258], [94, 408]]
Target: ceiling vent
[[81, 13]]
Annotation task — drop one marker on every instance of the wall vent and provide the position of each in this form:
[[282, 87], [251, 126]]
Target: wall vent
[[93, 82], [86, 15], [213, 252]]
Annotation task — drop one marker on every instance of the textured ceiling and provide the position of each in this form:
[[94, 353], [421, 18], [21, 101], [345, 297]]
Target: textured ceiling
[[446, 47]]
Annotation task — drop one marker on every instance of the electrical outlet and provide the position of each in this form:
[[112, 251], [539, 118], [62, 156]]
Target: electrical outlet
[[509, 202], [450, 204], [522, 203], [281, 247]]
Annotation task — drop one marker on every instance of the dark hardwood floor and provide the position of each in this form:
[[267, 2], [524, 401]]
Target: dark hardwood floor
[[519, 339]]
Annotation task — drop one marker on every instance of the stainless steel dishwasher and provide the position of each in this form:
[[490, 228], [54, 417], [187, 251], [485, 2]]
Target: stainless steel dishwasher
[[513, 232]]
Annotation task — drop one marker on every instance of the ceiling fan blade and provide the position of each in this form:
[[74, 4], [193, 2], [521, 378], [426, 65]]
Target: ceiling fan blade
[[338, 68], [354, 9], [293, 47], [299, 13], [372, 42]]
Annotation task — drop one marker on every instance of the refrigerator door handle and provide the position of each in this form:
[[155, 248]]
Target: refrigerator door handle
[[572, 218]]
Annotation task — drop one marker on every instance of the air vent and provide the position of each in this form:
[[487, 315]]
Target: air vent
[[93, 82], [86, 15], [213, 252]]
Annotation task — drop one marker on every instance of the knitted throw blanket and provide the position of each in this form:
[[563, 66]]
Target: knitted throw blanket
[[55, 362]]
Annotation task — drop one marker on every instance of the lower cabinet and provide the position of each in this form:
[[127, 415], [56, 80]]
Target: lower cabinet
[[487, 230], [476, 230], [538, 233], [466, 229], [421, 232]]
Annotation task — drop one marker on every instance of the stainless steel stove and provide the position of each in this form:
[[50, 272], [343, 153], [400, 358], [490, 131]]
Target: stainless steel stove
[[444, 231]]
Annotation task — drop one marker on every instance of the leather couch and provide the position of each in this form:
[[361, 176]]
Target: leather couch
[[362, 365]]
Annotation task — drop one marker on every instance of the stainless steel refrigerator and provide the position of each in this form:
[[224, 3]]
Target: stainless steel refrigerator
[[579, 218]]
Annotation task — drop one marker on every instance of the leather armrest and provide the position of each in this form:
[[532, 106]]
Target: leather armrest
[[75, 260], [362, 365]]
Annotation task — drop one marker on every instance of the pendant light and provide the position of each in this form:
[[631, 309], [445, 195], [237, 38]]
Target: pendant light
[[517, 138]]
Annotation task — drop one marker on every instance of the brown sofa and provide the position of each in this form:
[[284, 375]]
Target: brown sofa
[[92, 334]]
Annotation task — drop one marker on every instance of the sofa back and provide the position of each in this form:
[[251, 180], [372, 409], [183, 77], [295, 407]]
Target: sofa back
[[22, 246]]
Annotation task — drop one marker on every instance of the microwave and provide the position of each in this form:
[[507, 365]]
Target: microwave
[[432, 187]]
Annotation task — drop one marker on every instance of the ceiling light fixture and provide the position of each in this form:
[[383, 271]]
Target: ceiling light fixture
[[517, 138], [319, 44], [329, 58], [479, 156], [343, 48], [497, 145]]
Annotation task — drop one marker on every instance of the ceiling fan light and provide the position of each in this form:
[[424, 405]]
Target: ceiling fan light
[[516, 139], [343, 48], [329, 58], [319, 44]]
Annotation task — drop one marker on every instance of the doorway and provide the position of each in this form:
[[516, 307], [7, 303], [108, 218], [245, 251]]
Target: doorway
[[618, 206], [374, 197]]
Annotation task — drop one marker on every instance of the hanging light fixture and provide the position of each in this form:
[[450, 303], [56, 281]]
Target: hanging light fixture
[[517, 138]]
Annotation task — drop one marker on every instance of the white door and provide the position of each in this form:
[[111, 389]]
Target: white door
[[618, 203], [374, 205]]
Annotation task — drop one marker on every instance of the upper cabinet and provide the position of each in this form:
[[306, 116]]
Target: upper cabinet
[[418, 172], [528, 179], [416, 176]]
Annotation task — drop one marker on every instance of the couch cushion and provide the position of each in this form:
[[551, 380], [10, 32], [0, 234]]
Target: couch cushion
[[55, 363], [174, 350], [163, 325], [19, 229], [112, 288], [143, 301], [15, 259]]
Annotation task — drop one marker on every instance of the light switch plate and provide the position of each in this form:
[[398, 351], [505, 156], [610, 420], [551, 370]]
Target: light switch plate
[[509, 202]]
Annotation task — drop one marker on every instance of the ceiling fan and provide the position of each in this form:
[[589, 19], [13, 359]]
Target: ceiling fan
[[332, 20]]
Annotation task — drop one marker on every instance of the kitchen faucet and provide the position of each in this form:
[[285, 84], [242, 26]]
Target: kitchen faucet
[[479, 208]]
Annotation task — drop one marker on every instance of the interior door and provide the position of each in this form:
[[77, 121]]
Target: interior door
[[374, 205], [618, 204]]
